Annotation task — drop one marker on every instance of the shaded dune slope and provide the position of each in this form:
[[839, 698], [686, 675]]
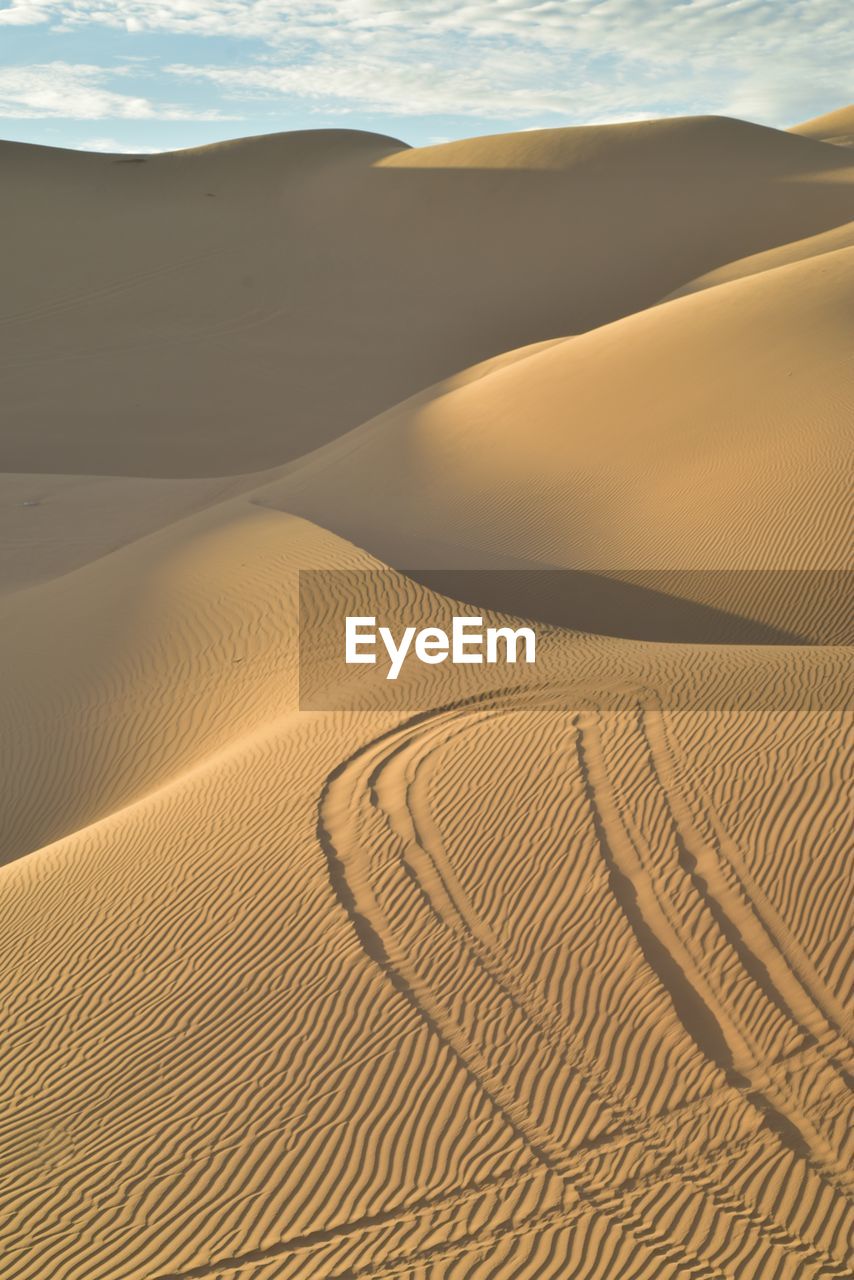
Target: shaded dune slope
[[233, 306], [53, 524], [710, 434], [841, 237]]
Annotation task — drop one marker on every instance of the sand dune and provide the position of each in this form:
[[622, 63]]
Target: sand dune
[[52, 524], [168, 650], [708, 434], [497, 974], [841, 237], [835, 126], [222, 310], [630, 1081]]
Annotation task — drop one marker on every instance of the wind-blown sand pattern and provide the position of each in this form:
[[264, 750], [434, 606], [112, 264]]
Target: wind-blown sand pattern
[[542, 978]]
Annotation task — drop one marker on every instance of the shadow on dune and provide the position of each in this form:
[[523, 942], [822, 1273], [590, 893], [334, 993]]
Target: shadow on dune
[[633, 606], [678, 606], [233, 334]]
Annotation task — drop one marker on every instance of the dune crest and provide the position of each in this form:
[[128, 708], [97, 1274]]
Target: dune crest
[[235, 306], [710, 433], [835, 126]]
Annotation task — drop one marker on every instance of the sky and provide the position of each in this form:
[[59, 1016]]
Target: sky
[[154, 75]]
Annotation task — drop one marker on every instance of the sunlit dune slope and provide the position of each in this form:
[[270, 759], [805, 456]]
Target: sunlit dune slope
[[304, 995], [225, 309], [711, 433], [52, 524], [835, 126], [133, 669], [147, 660], [500, 990]]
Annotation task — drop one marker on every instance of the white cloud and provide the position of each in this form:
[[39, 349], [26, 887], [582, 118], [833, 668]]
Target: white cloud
[[77, 92], [500, 86], [644, 28], [23, 14], [577, 59], [594, 71]]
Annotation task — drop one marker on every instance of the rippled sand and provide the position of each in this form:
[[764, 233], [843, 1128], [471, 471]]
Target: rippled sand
[[506, 979]]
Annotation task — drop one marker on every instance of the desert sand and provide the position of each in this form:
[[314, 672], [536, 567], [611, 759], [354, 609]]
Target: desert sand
[[835, 126], [503, 979], [302, 283]]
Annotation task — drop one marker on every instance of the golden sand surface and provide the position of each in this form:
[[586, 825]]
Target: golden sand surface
[[543, 980]]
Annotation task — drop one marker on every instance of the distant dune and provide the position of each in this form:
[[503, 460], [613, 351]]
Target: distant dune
[[525, 975], [836, 126], [233, 306]]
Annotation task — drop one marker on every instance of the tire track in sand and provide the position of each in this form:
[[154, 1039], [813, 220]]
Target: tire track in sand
[[347, 829], [669, 952]]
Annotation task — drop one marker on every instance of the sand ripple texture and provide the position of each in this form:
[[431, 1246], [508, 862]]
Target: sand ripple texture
[[507, 987], [542, 980]]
